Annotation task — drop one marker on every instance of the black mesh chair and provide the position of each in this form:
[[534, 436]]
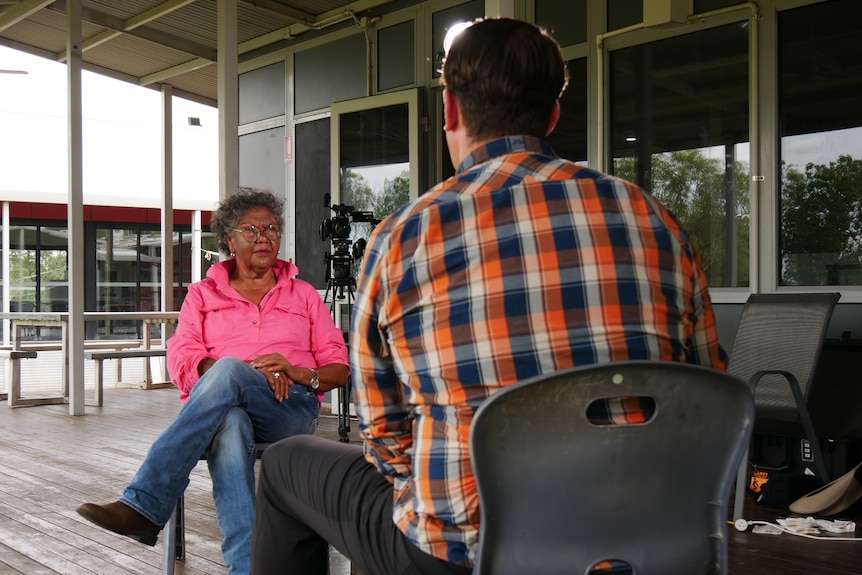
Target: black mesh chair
[[564, 492], [776, 349]]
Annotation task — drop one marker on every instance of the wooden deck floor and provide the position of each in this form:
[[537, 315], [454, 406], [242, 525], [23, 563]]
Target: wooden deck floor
[[51, 462]]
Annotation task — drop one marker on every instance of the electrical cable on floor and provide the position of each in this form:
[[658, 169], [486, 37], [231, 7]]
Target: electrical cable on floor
[[744, 524]]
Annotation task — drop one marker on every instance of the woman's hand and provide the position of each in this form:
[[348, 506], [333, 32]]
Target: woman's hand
[[281, 374], [278, 372]]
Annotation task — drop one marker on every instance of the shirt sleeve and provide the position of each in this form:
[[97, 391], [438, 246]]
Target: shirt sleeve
[[186, 347], [700, 335], [327, 340], [385, 422], [705, 347]]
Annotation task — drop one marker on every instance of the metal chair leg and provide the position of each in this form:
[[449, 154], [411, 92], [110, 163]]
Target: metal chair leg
[[174, 538]]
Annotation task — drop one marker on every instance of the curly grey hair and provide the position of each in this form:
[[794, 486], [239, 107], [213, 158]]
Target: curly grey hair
[[226, 217]]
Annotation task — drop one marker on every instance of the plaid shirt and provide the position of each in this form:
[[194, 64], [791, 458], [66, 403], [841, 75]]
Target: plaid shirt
[[520, 264]]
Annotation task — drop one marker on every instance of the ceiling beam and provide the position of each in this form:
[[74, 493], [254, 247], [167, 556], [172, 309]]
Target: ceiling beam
[[280, 10], [136, 26], [168, 73], [203, 55], [21, 12], [326, 19]]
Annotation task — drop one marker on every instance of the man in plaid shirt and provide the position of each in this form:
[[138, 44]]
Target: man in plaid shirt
[[520, 264]]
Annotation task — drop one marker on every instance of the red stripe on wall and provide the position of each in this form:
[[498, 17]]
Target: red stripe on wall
[[114, 214]]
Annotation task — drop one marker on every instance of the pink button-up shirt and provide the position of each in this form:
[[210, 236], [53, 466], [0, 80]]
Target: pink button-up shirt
[[216, 321]]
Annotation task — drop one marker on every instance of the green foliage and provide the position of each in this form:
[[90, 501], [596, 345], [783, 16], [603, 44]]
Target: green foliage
[[52, 268], [712, 203], [395, 193], [821, 216]]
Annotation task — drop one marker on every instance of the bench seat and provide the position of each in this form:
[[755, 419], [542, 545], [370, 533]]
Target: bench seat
[[13, 375], [99, 356]]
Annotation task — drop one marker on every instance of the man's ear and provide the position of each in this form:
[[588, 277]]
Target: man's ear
[[555, 117], [450, 111]]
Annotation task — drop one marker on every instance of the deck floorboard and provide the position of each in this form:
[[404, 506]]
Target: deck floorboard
[[51, 462]]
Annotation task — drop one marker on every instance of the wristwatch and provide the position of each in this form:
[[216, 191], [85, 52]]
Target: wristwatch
[[314, 382]]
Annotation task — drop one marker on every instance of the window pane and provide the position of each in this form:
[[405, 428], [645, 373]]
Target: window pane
[[820, 123], [442, 20], [261, 93], [313, 153], [701, 6], [261, 160], [679, 115], [150, 270], [566, 20], [38, 280], [184, 251], [22, 268], [53, 269], [395, 56], [622, 13], [375, 179], [209, 253], [117, 279], [569, 138], [330, 73]]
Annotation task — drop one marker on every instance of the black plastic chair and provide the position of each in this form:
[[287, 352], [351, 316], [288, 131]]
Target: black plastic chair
[[776, 350], [174, 532], [564, 493]]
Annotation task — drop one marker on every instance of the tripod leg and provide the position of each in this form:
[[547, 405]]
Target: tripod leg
[[344, 412], [344, 392]]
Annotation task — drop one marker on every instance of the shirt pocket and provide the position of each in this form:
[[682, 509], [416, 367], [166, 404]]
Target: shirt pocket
[[221, 321], [289, 323]]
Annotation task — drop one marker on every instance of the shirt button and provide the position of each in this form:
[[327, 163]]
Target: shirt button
[[254, 322]]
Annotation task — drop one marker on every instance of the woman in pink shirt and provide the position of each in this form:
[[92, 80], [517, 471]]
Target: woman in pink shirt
[[254, 351]]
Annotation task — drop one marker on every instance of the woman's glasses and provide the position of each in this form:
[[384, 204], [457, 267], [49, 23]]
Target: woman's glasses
[[252, 234]]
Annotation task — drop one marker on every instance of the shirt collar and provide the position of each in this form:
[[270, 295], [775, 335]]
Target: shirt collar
[[506, 145]]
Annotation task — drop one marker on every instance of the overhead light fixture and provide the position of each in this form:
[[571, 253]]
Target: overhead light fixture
[[453, 33], [631, 139]]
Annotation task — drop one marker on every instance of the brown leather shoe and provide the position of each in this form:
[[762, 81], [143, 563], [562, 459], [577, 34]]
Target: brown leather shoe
[[120, 518]]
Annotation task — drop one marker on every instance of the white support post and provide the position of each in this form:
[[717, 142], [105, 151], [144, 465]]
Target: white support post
[[74, 350], [228, 98]]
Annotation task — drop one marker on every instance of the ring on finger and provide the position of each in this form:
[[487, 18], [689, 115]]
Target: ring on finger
[[276, 375]]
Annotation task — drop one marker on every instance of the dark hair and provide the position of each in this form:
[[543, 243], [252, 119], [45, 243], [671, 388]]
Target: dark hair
[[506, 75], [226, 217]]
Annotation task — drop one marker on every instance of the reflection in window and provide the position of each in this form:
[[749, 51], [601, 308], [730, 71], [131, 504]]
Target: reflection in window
[[38, 268], [38, 273], [569, 138], [565, 20], [679, 114], [128, 275], [820, 62], [374, 171], [622, 13]]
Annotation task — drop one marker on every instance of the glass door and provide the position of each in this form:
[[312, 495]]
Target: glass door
[[375, 170]]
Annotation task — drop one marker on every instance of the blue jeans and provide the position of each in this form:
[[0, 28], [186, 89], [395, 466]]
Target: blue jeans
[[230, 408]]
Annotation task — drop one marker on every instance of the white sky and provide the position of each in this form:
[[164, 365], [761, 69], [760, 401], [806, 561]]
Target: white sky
[[121, 139]]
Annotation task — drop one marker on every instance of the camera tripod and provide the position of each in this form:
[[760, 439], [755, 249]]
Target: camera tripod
[[338, 287]]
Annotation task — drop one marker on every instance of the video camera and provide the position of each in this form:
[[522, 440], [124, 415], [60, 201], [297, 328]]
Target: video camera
[[338, 226], [344, 250]]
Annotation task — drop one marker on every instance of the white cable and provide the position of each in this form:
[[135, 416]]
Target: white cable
[[743, 525]]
